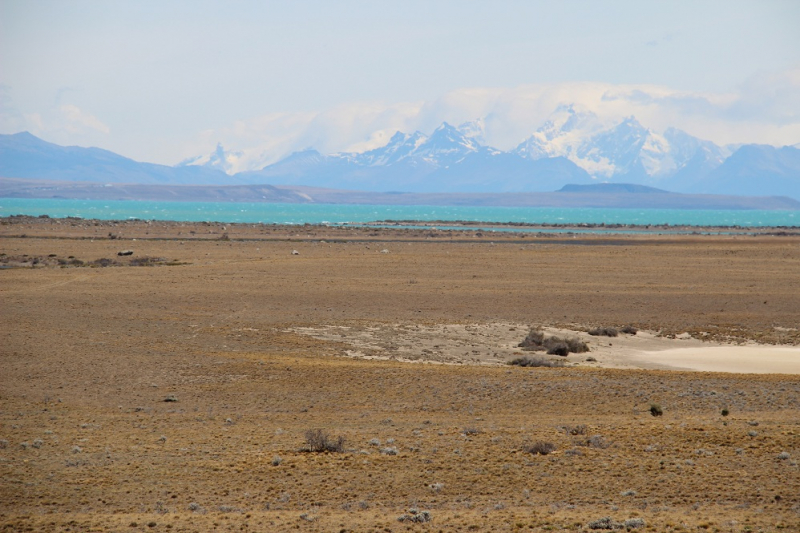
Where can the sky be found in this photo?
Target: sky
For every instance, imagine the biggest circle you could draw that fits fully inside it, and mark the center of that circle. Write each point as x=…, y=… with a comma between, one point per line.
x=160, y=81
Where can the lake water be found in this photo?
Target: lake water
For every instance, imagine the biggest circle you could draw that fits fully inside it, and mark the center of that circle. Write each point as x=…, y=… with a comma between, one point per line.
x=337, y=213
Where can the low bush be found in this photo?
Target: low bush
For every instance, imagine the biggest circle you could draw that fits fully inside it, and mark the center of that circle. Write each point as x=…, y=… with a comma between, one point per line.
x=604, y=332
x=595, y=441
x=558, y=348
x=536, y=361
x=103, y=262
x=604, y=523
x=656, y=410
x=147, y=261
x=536, y=340
x=574, y=344
x=318, y=441
x=540, y=448
x=629, y=330
x=415, y=515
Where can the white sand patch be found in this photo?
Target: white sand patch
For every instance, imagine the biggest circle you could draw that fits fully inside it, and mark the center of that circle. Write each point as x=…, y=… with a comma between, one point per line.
x=751, y=359
x=496, y=344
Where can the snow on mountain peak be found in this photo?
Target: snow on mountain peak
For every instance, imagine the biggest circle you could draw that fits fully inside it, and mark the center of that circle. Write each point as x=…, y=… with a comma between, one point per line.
x=622, y=150
x=626, y=148
x=220, y=159
x=474, y=129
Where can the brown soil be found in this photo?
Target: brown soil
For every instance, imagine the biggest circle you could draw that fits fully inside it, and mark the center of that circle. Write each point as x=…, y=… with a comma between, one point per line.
x=242, y=333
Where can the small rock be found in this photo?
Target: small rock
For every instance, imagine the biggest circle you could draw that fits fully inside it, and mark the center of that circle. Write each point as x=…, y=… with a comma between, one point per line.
x=125, y=252
x=171, y=398
x=295, y=252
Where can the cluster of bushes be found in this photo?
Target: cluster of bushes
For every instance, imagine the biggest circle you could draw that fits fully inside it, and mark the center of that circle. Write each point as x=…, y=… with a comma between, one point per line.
x=612, y=332
x=536, y=361
x=26, y=260
x=536, y=340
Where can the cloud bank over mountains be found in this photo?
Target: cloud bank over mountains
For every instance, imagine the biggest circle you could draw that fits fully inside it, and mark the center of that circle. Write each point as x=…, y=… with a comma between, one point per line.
x=765, y=110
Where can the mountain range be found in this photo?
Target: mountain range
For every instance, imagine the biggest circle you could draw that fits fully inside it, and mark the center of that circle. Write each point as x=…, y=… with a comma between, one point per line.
x=573, y=147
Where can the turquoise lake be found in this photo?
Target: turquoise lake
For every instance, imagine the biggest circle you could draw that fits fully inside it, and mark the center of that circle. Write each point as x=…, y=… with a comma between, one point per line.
x=337, y=213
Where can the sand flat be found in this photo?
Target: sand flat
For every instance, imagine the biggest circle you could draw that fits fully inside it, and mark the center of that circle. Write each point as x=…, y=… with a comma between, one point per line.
x=740, y=359
x=497, y=344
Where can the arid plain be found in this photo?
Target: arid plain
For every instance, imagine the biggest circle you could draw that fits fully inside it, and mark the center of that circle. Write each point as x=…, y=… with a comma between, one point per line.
x=176, y=395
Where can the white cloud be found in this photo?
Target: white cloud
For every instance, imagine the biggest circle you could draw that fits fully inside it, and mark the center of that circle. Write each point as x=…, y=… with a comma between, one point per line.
x=764, y=109
x=76, y=120
x=63, y=124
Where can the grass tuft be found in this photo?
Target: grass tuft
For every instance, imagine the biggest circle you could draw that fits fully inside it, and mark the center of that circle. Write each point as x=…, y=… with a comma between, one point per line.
x=540, y=448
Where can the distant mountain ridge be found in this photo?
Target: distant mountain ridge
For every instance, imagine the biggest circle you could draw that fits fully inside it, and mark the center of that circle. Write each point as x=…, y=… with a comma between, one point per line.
x=447, y=161
x=572, y=148
x=23, y=155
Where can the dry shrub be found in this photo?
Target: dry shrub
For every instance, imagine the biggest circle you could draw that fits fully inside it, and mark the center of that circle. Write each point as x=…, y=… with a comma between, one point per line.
x=595, y=441
x=536, y=361
x=540, y=448
x=147, y=261
x=558, y=348
x=536, y=340
x=630, y=330
x=318, y=441
x=604, y=332
x=103, y=262
x=574, y=344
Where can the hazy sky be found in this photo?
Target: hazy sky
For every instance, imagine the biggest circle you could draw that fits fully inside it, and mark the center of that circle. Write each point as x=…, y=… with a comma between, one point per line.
x=160, y=81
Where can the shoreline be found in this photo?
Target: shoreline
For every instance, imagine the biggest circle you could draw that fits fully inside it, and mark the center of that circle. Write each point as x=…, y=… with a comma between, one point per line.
x=433, y=228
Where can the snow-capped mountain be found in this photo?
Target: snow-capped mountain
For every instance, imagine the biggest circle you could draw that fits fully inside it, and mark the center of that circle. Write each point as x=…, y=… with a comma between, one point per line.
x=619, y=152
x=219, y=159
x=400, y=146
x=446, y=145
x=572, y=147
x=626, y=151
x=450, y=159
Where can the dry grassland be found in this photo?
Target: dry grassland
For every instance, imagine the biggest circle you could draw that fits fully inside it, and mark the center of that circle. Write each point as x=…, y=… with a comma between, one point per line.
x=88, y=356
